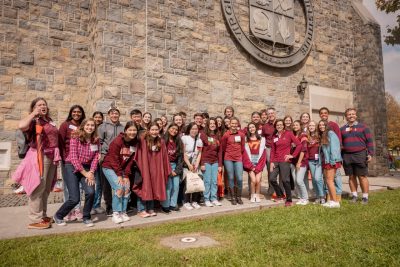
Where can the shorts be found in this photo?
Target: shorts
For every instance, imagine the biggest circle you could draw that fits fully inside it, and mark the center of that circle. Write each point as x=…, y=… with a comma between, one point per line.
x=355, y=163
x=327, y=166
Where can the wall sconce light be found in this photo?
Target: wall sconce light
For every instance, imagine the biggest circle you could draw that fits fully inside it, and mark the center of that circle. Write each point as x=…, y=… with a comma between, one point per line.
x=301, y=88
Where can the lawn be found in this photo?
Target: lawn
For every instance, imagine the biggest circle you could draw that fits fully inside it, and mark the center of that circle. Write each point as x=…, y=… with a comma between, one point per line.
x=354, y=235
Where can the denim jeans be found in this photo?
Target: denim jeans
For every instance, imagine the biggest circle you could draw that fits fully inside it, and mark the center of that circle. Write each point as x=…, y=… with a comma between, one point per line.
x=234, y=170
x=119, y=203
x=300, y=179
x=97, y=191
x=144, y=205
x=317, y=179
x=172, y=190
x=65, y=191
x=72, y=181
x=210, y=176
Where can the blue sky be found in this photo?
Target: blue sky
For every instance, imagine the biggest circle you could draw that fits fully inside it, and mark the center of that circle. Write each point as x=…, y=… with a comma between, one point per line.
x=391, y=54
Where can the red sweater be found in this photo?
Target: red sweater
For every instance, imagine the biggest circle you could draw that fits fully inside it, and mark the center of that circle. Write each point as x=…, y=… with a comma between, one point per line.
x=232, y=146
x=304, y=143
x=268, y=131
x=210, y=153
x=120, y=156
x=65, y=131
x=282, y=144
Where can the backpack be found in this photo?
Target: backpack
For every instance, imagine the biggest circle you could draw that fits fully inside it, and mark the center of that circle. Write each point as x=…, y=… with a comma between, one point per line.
x=22, y=143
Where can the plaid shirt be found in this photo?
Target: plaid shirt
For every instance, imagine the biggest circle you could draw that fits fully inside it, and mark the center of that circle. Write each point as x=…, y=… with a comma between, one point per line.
x=83, y=153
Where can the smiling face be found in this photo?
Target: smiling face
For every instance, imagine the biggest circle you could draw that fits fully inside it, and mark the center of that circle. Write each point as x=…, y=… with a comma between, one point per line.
x=114, y=116
x=98, y=119
x=288, y=123
x=324, y=114
x=136, y=118
x=279, y=126
x=147, y=118
x=234, y=126
x=198, y=120
x=271, y=115
x=305, y=119
x=164, y=121
x=76, y=114
x=89, y=127
x=212, y=125
x=264, y=117
x=312, y=127
x=219, y=122
x=178, y=120
x=173, y=131
x=321, y=126
x=227, y=123
x=296, y=126
x=131, y=132
x=351, y=116
x=255, y=118
x=252, y=128
x=194, y=131
x=154, y=131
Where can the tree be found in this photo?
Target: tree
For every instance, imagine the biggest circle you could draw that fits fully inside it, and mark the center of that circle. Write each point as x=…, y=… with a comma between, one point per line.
x=393, y=121
x=391, y=6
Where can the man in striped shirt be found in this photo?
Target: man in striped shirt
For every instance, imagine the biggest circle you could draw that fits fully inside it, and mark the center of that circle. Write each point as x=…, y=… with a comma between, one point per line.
x=357, y=150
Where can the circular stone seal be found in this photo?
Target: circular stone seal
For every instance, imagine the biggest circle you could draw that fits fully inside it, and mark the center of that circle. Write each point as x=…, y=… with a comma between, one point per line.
x=272, y=24
x=188, y=239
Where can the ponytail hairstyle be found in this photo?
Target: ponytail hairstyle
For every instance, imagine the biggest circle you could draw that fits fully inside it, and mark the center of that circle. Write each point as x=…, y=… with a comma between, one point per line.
x=150, y=140
x=81, y=134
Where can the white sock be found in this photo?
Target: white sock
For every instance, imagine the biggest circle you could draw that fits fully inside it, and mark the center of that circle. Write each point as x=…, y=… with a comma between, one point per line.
x=354, y=194
x=365, y=195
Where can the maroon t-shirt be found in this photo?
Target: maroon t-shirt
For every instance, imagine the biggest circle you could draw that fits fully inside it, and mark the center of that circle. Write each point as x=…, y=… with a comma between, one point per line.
x=232, y=146
x=313, y=150
x=268, y=131
x=171, y=150
x=210, y=153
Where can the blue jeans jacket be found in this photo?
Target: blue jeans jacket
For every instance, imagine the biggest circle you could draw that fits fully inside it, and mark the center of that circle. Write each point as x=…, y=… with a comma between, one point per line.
x=332, y=150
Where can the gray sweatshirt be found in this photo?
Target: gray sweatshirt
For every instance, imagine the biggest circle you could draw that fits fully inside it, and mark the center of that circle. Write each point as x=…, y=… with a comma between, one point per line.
x=107, y=132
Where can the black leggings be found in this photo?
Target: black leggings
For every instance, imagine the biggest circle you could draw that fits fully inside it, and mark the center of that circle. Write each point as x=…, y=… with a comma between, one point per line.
x=283, y=170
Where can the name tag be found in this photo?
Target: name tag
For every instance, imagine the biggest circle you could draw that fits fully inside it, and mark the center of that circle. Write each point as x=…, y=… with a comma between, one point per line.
x=259, y=131
x=94, y=147
x=53, y=123
x=210, y=139
x=154, y=148
x=238, y=138
x=72, y=127
x=132, y=149
x=316, y=156
x=276, y=139
x=348, y=129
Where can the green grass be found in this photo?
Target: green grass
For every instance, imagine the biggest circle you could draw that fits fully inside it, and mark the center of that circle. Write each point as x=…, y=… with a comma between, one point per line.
x=354, y=235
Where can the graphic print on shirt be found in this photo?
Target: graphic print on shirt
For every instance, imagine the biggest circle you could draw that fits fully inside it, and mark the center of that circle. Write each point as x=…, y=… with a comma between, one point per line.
x=125, y=153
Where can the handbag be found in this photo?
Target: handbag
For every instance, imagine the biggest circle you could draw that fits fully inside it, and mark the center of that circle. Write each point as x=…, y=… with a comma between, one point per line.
x=194, y=183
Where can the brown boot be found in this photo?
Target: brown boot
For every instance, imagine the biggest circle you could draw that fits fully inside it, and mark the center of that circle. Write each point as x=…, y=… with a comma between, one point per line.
x=233, y=196
x=238, y=193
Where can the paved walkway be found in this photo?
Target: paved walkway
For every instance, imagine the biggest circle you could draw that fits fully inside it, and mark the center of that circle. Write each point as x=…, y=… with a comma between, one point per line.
x=14, y=220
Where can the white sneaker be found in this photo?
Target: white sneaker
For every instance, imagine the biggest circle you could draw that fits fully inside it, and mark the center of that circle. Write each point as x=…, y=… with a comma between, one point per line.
x=208, y=204
x=116, y=218
x=216, y=203
x=188, y=206
x=302, y=202
x=334, y=204
x=327, y=204
x=124, y=217
x=99, y=210
x=253, y=198
x=257, y=198
x=196, y=205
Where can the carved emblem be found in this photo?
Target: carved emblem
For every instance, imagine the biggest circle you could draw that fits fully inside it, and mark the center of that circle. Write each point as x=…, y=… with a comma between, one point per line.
x=272, y=29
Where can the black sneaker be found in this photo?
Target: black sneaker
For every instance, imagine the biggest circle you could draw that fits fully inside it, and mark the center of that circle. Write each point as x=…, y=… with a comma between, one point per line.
x=364, y=201
x=130, y=210
x=354, y=200
x=109, y=212
x=174, y=208
x=165, y=210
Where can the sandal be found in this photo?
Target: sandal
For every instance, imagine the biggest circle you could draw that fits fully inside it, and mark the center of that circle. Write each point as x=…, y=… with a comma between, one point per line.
x=152, y=213
x=144, y=214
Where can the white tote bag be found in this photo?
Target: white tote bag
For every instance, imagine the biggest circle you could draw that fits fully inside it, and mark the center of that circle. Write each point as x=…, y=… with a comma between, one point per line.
x=194, y=183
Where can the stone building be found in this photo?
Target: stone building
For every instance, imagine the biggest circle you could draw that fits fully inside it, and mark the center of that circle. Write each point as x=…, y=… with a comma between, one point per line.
x=166, y=56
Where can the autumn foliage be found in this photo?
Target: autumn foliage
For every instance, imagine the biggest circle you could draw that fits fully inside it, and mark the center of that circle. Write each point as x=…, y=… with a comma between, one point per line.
x=393, y=121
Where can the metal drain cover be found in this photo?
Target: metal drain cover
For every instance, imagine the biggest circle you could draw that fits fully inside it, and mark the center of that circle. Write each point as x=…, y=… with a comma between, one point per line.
x=188, y=239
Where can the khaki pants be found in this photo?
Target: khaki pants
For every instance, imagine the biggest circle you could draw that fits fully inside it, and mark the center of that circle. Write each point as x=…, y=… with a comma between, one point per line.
x=38, y=199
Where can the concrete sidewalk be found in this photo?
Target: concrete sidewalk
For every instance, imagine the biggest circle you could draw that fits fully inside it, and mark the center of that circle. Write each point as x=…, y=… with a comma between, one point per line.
x=14, y=220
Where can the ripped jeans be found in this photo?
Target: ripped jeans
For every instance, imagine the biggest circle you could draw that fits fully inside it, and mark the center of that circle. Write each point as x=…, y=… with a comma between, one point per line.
x=121, y=193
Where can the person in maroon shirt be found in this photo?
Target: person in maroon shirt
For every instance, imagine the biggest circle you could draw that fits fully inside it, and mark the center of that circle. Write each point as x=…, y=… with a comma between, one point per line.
x=229, y=112
x=254, y=159
x=324, y=115
x=80, y=169
x=264, y=116
x=211, y=162
x=75, y=117
x=300, y=164
x=305, y=120
x=175, y=157
x=314, y=162
x=117, y=167
x=232, y=147
x=288, y=121
x=280, y=160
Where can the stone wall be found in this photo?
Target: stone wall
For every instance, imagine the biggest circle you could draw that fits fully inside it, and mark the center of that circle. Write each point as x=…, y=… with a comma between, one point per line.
x=167, y=56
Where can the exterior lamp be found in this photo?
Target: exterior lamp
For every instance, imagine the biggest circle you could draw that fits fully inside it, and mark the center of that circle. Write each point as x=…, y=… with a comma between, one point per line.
x=301, y=88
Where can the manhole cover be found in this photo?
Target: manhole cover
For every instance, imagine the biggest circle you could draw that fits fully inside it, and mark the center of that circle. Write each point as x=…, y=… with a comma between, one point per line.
x=193, y=240
x=188, y=239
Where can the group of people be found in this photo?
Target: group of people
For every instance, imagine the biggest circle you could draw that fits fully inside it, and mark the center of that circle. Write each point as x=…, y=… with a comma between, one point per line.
x=143, y=165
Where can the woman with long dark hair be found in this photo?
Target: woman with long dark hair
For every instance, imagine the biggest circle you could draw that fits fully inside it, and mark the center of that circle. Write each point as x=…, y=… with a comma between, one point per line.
x=175, y=157
x=331, y=160
x=146, y=120
x=118, y=167
x=75, y=117
x=254, y=160
x=37, y=171
x=80, y=169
